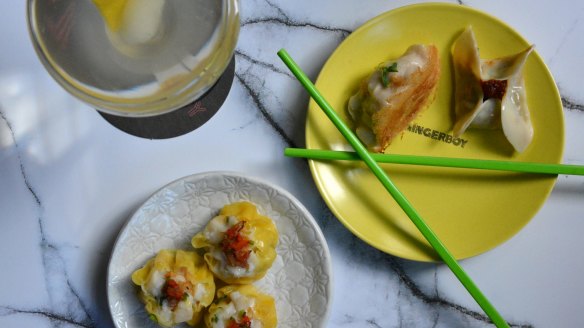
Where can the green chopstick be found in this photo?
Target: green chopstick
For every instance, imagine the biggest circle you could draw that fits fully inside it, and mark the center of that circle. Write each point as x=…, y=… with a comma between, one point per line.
x=426, y=231
x=483, y=164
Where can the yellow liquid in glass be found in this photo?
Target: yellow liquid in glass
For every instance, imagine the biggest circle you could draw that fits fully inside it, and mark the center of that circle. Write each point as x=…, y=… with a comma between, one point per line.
x=112, y=12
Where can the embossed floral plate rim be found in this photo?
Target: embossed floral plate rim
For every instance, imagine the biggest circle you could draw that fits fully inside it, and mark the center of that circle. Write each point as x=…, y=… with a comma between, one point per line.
x=471, y=211
x=300, y=280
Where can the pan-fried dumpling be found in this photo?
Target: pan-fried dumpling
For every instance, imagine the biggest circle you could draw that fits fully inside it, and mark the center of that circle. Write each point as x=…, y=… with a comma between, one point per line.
x=393, y=95
x=490, y=93
x=175, y=286
x=239, y=243
x=241, y=306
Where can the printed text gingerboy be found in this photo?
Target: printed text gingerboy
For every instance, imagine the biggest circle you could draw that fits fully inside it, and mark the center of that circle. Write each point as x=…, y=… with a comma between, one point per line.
x=437, y=135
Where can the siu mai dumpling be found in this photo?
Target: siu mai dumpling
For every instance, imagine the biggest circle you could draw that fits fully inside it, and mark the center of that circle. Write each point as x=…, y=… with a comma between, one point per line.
x=241, y=306
x=490, y=94
x=239, y=243
x=393, y=95
x=175, y=286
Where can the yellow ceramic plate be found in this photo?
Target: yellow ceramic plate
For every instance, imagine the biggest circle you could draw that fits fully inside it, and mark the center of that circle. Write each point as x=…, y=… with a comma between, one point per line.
x=471, y=211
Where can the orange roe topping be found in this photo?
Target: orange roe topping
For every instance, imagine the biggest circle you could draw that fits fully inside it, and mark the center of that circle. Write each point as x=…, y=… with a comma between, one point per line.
x=235, y=246
x=174, y=291
x=244, y=322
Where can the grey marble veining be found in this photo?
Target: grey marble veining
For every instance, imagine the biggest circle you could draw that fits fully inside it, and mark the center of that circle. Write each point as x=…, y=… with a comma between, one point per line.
x=571, y=105
x=64, y=304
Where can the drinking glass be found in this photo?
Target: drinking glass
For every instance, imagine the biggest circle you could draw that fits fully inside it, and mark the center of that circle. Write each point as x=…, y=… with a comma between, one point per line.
x=135, y=58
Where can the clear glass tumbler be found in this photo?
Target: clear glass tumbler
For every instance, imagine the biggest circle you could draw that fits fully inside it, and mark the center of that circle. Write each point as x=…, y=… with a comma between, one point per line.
x=135, y=58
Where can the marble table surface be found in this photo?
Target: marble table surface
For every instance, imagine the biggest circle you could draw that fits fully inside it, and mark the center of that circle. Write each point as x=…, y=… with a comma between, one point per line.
x=69, y=180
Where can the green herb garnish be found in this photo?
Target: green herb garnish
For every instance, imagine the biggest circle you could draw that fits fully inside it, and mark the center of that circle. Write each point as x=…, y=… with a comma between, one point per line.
x=384, y=71
x=242, y=313
x=153, y=317
x=214, y=318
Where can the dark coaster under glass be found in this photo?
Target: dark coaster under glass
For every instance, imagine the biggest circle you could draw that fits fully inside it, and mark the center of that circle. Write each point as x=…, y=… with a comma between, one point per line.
x=182, y=120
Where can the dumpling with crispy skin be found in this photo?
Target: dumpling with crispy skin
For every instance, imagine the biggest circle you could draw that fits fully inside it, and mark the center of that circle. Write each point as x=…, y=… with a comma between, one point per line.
x=241, y=306
x=175, y=286
x=393, y=95
x=239, y=243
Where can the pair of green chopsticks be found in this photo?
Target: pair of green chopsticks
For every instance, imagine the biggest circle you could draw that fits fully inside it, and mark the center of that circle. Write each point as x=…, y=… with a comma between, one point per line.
x=362, y=153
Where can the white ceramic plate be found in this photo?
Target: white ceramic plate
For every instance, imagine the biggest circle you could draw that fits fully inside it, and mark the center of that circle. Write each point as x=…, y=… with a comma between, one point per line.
x=299, y=280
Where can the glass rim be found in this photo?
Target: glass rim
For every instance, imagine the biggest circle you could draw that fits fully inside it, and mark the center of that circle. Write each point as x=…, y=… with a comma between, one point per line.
x=186, y=93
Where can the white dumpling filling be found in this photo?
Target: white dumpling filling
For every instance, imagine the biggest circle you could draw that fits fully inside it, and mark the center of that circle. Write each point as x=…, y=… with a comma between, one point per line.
x=235, y=271
x=217, y=227
x=155, y=284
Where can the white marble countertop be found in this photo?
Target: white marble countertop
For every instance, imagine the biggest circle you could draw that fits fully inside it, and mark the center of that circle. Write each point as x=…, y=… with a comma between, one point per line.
x=69, y=180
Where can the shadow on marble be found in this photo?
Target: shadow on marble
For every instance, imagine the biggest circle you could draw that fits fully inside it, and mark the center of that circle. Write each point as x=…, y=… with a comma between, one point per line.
x=99, y=290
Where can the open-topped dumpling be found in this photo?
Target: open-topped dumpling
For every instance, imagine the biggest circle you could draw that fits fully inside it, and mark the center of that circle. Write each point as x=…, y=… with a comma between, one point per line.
x=175, y=286
x=490, y=93
x=239, y=243
x=241, y=306
x=393, y=95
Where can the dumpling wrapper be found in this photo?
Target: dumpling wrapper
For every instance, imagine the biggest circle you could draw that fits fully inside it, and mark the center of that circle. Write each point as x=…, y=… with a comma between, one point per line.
x=233, y=302
x=380, y=112
x=510, y=113
x=259, y=229
x=181, y=266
